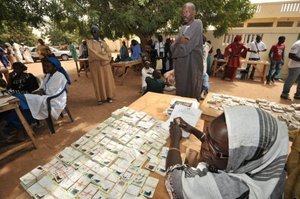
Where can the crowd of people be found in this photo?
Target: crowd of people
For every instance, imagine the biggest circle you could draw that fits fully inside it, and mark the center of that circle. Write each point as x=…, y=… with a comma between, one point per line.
x=231, y=165
x=11, y=52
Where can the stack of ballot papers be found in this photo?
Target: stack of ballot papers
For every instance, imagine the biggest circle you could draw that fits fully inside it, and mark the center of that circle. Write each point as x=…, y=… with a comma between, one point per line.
x=4, y=99
x=113, y=160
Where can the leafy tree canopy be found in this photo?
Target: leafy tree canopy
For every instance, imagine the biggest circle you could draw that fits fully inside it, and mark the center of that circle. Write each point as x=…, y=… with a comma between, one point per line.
x=118, y=18
x=19, y=32
x=145, y=17
x=21, y=11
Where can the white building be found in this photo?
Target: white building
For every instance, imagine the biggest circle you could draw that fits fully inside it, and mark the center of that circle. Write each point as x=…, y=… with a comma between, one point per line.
x=271, y=20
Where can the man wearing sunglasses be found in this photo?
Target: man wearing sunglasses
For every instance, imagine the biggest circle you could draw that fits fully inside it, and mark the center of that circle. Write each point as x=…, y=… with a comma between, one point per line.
x=239, y=157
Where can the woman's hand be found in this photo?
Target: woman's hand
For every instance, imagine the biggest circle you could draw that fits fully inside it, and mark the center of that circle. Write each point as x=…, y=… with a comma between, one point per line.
x=175, y=134
x=183, y=124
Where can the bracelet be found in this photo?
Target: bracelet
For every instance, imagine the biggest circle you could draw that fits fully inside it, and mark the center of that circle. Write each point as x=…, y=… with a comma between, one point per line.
x=174, y=149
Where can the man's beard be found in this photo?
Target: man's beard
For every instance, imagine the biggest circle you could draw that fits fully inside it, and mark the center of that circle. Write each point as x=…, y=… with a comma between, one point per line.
x=184, y=20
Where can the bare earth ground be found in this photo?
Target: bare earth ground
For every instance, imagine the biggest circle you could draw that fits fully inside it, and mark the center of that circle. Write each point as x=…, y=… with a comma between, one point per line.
x=86, y=113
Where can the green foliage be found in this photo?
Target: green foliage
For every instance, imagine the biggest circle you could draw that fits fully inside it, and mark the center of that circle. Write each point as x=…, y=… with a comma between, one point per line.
x=224, y=14
x=73, y=18
x=20, y=11
x=58, y=36
x=147, y=17
x=19, y=32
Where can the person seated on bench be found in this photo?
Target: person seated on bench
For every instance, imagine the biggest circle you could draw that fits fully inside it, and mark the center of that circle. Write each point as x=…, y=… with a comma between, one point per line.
x=34, y=106
x=243, y=155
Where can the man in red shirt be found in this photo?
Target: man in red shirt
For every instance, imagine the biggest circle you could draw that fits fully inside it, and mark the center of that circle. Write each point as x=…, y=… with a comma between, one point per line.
x=276, y=56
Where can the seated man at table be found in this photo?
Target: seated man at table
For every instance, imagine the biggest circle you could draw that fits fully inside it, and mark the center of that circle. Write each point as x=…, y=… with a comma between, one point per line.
x=155, y=83
x=243, y=154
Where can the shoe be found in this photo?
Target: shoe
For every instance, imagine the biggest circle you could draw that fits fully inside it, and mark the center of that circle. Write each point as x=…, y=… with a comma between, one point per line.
x=268, y=82
x=109, y=100
x=286, y=96
x=296, y=96
x=99, y=102
x=273, y=81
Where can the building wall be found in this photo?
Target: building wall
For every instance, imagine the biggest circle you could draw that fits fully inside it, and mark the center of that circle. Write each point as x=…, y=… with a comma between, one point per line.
x=270, y=14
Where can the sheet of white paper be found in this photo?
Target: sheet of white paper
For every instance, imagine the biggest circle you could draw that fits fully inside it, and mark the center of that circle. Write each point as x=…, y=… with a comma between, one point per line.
x=189, y=114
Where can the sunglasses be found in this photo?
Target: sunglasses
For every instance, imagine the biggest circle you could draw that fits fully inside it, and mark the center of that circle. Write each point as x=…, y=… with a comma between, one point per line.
x=212, y=147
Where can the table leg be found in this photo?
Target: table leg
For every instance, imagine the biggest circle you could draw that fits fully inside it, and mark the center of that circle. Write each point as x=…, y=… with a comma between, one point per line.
x=264, y=73
x=215, y=68
x=78, y=70
x=26, y=126
x=206, y=125
x=124, y=74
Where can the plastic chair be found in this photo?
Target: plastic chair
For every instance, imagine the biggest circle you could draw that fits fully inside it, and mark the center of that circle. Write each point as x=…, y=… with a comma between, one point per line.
x=49, y=119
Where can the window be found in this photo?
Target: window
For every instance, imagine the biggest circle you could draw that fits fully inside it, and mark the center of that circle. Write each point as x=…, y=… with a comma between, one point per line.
x=285, y=23
x=239, y=25
x=260, y=24
x=290, y=7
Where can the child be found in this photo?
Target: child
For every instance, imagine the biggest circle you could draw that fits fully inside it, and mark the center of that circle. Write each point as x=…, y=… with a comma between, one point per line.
x=155, y=84
x=146, y=72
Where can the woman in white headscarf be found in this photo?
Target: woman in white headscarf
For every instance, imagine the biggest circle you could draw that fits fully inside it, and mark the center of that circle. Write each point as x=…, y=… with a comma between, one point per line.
x=243, y=155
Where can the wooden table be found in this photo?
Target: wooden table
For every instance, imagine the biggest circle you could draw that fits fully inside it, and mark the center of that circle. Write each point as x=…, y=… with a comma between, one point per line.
x=83, y=66
x=208, y=114
x=255, y=64
x=14, y=105
x=155, y=104
x=125, y=65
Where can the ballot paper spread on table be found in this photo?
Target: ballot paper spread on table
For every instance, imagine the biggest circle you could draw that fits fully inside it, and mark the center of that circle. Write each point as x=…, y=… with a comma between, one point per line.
x=185, y=102
x=189, y=114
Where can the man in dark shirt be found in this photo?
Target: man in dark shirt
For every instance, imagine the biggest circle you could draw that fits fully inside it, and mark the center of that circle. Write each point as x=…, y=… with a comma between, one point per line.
x=155, y=84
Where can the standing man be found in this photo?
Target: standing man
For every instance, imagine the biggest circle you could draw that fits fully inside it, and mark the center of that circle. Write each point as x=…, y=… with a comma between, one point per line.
x=255, y=47
x=17, y=51
x=294, y=72
x=187, y=53
x=276, y=56
x=160, y=49
x=99, y=64
x=73, y=51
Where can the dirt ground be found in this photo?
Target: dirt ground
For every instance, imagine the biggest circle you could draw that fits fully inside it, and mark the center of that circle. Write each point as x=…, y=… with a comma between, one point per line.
x=86, y=114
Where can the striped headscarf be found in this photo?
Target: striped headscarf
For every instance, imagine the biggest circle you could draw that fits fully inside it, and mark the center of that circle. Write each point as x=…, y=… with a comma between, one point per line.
x=258, y=148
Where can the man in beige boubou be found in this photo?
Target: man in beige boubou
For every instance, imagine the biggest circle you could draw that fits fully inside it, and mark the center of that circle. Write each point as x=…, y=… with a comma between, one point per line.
x=99, y=64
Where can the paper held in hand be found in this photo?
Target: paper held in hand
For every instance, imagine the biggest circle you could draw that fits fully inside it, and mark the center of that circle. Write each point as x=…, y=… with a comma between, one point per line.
x=190, y=114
